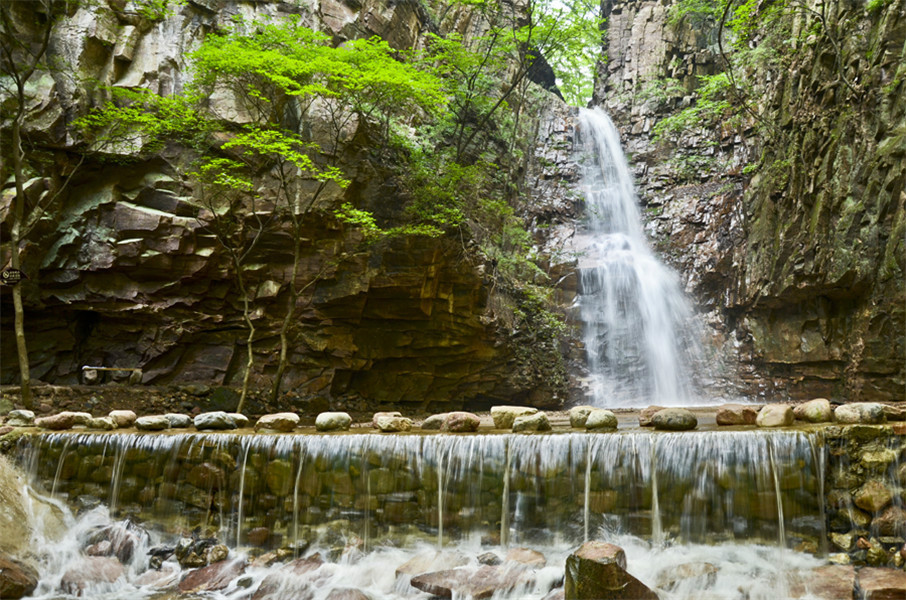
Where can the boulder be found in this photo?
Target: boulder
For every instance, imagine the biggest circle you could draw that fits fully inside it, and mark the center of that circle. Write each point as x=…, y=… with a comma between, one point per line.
x=829, y=582
x=123, y=418
x=465, y=582
x=736, y=414
x=891, y=521
x=216, y=576
x=873, y=496
x=775, y=415
x=866, y=413
x=285, y=421
x=434, y=422
x=526, y=556
x=16, y=579
x=534, y=422
x=427, y=562
x=63, y=420
x=292, y=580
x=20, y=418
x=333, y=421
x=216, y=420
x=460, y=422
x=240, y=420
x=600, y=419
x=102, y=423
x=674, y=419
x=894, y=413
x=152, y=423
x=347, y=594
x=597, y=571
x=578, y=415
x=646, y=413
x=393, y=424
x=505, y=416
x=179, y=421
x=818, y=410
x=90, y=571
x=882, y=584
x=386, y=413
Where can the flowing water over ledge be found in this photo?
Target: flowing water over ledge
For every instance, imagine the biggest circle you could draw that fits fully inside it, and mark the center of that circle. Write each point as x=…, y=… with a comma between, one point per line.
x=747, y=501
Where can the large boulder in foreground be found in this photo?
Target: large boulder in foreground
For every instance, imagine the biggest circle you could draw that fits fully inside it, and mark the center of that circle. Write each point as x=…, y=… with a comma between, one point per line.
x=818, y=410
x=597, y=571
x=16, y=580
x=882, y=584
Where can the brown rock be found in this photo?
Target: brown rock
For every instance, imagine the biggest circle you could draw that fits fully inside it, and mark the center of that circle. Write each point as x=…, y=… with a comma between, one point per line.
x=377, y=415
x=466, y=582
x=882, y=584
x=16, y=579
x=63, y=420
x=891, y=521
x=258, y=536
x=393, y=423
x=736, y=414
x=347, y=594
x=597, y=571
x=432, y=561
x=646, y=414
x=292, y=580
x=123, y=418
x=775, y=415
x=89, y=571
x=831, y=582
x=526, y=556
x=873, y=496
x=460, y=422
x=205, y=476
x=216, y=576
x=3, y=431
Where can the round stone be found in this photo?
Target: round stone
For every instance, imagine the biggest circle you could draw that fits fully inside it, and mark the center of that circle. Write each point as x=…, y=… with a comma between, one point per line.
x=674, y=419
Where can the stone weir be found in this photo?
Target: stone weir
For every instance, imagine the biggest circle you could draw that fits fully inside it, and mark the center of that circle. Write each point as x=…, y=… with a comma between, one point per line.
x=282, y=490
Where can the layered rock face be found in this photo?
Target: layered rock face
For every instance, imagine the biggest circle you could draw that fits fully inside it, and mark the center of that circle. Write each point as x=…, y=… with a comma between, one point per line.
x=794, y=249
x=124, y=275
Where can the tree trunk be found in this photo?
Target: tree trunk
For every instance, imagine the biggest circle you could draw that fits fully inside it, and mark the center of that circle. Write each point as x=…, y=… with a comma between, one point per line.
x=15, y=238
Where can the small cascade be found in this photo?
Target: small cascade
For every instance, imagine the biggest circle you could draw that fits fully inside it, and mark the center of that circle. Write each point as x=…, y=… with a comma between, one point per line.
x=638, y=333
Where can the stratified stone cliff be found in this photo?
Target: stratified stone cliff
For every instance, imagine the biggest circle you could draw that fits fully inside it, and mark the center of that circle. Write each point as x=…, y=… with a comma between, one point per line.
x=798, y=260
x=123, y=275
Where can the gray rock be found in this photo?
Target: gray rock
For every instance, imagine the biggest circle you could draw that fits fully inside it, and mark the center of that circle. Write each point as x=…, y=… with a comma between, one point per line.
x=285, y=421
x=377, y=415
x=599, y=419
x=393, y=423
x=152, y=423
x=123, y=418
x=674, y=419
x=240, y=420
x=333, y=421
x=460, y=422
x=216, y=420
x=866, y=413
x=63, y=420
x=818, y=410
x=775, y=415
x=179, y=421
x=505, y=416
x=434, y=422
x=20, y=418
x=646, y=414
x=537, y=421
x=103, y=423
x=578, y=415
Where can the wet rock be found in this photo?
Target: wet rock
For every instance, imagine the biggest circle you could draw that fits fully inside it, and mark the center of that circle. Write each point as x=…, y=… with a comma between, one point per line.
x=20, y=418
x=216, y=576
x=434, y=422
x=240, y=420
x=102, y=423
x=674, y=419
x=894, y=413
x=333, y=421
x=123, y=418
x=63, y=420
x=16, y=579
x=578, y=415
x=466, y=582
x=876, y=556
x=646, y=413
x=216, y=420
x=534, y=422
x=600, y=419
x=690, y=575
x=90, y=571
x=285, y=421
x=159, y=578
x=292, y=580
x=873, y=496
x=152, y=423
x=775, y=415
x=347, y=594
x=818, y=410
x=866, y=413
x=217, y=553
x=489, y=558
x=526, y=556
x=377, y=415
x=736, y=414
x=206, y=476
x=426, y=562
x=393, y=424
x=891, y=521
x=882, y=584
x=461, y=422
x=179, y=421
x=830, y=582
x=258, y=536
x=843, y=541
x=597, y=571
x=119, y=540
x=5, y=429
x=505, y=416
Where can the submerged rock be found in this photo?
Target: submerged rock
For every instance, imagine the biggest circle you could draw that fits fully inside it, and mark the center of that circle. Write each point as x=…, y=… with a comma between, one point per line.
x=866, y=413
x=460, y=422
x=736, y=414
x=90, y=571
x=216, y=576
x=152, y=423
x=578, y=415
x=505, y=416
x=534, y=422
x=216, y=420
x=597, y=571
x=690, y=575
x=295, y=579
x=333, y=421
x=285, y=421
x=479, y=583
x=775, y=415
x=818, y=410
x=599, y=419
x=873, y=496
x=674, y=419
x=882, y=584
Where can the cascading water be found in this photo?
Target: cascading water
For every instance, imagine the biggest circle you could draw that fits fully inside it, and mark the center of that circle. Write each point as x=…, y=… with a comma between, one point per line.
x=371, y=501
x=637, y=333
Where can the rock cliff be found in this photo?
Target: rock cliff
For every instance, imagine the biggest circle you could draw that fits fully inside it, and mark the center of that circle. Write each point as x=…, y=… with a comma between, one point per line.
x=788, y=228
x=122, y=274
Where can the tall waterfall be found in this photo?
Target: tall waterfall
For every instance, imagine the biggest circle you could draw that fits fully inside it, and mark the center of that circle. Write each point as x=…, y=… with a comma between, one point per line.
x=637, y=336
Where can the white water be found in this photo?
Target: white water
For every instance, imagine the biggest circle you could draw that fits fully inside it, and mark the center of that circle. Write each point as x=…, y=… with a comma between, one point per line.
x=638, y=333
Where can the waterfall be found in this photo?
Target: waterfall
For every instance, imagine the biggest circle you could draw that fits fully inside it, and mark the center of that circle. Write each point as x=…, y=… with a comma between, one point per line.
x=637, y=333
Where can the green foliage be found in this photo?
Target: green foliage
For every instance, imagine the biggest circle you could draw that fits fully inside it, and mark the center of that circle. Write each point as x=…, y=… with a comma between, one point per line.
x=157, y=10
x=711, y=108
x=697, y=13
